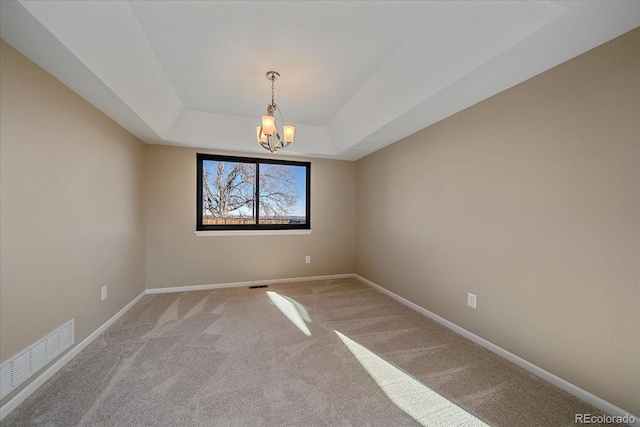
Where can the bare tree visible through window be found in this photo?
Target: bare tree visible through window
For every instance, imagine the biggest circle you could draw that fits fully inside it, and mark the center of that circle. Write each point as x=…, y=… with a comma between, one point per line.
x=233, y=188
x=228, y=192
x=278, y=192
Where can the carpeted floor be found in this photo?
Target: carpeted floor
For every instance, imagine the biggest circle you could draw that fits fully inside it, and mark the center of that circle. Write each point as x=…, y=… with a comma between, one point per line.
x=230, y=357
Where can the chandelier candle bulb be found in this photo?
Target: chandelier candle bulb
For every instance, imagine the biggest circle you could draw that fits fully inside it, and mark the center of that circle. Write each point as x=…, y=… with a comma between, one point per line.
x=268, y=125
x=289, y=132
x=260, y=136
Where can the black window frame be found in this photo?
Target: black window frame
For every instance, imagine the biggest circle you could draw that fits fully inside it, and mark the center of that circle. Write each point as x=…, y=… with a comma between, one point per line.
x=202, y=157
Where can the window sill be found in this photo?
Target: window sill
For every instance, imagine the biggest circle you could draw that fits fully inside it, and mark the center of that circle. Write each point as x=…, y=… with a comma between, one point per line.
x=208, y=233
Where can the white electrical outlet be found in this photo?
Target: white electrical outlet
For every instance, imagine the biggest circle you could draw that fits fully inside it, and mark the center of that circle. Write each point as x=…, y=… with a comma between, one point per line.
x=307, y=259
x=104, y=293
x=471, y=300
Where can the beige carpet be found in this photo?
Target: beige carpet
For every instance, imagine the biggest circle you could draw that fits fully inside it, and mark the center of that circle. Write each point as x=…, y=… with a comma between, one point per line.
x=231, y=357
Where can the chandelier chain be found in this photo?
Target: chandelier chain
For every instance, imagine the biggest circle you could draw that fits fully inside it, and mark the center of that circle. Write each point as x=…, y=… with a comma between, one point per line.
x=273, y=79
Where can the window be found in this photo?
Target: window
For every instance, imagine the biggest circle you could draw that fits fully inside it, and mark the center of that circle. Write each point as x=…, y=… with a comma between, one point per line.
x=243, y=193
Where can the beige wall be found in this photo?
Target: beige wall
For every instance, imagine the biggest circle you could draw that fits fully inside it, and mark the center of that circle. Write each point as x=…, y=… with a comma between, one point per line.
x=72, y=208
x=176, y=257
x=531, y=200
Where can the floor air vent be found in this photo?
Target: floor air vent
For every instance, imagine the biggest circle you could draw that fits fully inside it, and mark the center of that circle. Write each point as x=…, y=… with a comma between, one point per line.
x=258, y=286
x=19, y=368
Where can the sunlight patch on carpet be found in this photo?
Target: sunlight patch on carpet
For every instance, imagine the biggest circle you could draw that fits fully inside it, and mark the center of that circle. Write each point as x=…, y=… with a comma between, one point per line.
x=293, y=310
x=414, y=398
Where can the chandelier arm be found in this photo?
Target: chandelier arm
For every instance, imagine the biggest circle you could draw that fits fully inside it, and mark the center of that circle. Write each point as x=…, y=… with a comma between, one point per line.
x=280, y=112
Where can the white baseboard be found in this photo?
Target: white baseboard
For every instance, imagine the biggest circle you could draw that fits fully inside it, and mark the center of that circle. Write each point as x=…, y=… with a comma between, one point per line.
x=250, y=283
x=570, y=388
x=55, y=367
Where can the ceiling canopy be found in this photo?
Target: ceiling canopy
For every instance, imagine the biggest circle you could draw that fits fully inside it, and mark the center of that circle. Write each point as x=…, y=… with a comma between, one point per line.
x=355, y=76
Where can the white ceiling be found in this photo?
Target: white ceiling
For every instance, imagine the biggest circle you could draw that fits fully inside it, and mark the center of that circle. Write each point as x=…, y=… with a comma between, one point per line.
x=356, y=76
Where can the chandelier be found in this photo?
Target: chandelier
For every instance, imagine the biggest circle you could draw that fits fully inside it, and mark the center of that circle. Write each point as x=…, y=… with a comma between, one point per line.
x=267, y=134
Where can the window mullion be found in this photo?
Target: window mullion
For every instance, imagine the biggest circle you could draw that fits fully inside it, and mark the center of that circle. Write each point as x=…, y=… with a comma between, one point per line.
x=257, y=199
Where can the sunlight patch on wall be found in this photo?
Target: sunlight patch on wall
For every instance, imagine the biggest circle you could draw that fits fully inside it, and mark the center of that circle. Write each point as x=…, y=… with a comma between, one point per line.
x=293, y=310
x=416, y=399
